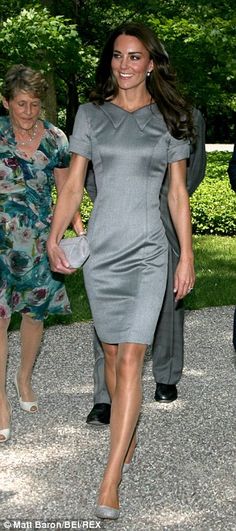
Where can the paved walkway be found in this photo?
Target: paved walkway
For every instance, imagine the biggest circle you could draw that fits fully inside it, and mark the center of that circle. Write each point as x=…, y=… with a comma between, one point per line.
x=183, y=475
x=219, y=147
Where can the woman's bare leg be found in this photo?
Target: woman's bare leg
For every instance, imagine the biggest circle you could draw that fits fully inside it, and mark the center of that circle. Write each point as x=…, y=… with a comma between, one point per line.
x=110, y=377
x=4, y=404
x=31, y=336
x=125, y=409
x=131, y=448
x=110, y=360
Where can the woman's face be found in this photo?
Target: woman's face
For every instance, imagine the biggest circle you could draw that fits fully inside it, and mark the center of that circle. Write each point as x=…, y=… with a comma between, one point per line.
x=130, y=62
x=24, y=109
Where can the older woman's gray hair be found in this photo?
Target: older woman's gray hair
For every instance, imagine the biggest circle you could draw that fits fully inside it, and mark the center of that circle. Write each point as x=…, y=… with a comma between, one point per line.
x=23, y=78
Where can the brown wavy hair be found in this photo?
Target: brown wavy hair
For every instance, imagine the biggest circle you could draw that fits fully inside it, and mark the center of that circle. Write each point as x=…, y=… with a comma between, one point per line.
x=23, y=78
x=161, y=84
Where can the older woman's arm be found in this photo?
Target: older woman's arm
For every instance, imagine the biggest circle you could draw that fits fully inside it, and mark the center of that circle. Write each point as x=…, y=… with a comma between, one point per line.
x=178, y=201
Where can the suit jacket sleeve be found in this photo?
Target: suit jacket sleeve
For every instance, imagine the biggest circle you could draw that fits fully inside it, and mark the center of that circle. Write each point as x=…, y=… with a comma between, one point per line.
x=197, y=161
x=90, y=184
x=195, y=174
x=232, y=170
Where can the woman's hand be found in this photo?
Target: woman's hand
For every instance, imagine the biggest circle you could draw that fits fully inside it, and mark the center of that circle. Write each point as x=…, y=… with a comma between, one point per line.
x=184, y=278
x=68, y=202
x=57, y=259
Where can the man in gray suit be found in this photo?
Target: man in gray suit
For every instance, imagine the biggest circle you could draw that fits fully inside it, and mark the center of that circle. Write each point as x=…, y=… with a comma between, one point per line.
x=168, y=346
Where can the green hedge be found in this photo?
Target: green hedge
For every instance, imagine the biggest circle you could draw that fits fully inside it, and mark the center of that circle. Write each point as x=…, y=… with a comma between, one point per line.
x=86, y=209
x=213, y=205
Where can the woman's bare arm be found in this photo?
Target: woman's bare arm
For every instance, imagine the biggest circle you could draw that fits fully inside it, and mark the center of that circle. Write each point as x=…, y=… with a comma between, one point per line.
x=178, y=201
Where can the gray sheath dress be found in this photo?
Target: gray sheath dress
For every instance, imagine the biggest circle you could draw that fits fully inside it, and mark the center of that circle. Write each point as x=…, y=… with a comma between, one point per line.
x=125, y=275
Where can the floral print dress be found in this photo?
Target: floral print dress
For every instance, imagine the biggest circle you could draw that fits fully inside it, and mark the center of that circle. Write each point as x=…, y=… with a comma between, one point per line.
x=27, y=284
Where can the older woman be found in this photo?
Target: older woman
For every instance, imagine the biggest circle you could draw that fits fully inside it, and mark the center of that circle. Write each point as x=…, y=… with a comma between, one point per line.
x=33, y=156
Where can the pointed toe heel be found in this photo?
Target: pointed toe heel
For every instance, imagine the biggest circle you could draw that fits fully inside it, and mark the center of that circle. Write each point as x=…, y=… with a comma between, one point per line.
x=103, y=511
x=126, y=467
x=26, y=406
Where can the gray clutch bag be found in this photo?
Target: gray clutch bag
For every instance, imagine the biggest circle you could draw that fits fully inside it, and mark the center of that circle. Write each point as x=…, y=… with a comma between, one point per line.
x=76, y=250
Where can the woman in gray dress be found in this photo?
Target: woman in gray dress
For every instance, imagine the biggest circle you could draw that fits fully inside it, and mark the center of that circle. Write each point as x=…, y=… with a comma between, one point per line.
x=135, y=126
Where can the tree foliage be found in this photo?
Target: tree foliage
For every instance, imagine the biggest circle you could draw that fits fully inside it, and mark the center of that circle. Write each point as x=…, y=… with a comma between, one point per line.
x=45, y=42
x=65, y=38
x=49, y=43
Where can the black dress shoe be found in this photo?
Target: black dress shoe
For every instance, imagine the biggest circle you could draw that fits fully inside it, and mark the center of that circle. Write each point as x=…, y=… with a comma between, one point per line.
x=100, y=414
x=165, y=392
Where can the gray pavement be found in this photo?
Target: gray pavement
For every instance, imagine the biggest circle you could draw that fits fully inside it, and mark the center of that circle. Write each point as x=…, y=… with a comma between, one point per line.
x=219, y=147
x=183, y=473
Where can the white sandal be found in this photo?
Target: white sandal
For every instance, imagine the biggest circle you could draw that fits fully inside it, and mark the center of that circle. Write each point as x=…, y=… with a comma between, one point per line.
x=6, y=432
x=26, y=406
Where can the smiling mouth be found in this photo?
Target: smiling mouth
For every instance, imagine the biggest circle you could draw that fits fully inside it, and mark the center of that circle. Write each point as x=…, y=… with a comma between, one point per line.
x=125, y=76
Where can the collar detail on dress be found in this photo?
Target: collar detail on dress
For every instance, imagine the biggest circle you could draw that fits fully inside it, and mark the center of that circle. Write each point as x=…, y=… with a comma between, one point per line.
x=117, y=115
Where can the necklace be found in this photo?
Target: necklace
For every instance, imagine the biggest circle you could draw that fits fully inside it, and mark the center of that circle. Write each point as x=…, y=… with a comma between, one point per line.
x=27, y=142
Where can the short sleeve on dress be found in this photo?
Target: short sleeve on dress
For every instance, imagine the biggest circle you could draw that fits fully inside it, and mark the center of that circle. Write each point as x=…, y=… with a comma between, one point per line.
x=80, y=140
x=63, y=159
x=178, y=149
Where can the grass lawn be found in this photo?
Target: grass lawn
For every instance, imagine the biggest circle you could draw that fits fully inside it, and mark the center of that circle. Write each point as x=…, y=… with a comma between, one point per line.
x=215, y=259
x=215, y=265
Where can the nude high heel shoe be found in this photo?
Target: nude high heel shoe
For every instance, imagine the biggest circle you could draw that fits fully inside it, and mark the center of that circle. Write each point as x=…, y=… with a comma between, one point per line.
x=103, y=511
x=106, y=511
x=26, y=406
x=126, y=467
x=6, y=432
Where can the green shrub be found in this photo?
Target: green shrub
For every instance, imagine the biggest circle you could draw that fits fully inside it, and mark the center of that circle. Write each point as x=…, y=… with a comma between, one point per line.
x=217, y=164
x=213, y=205
x=86, y=209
